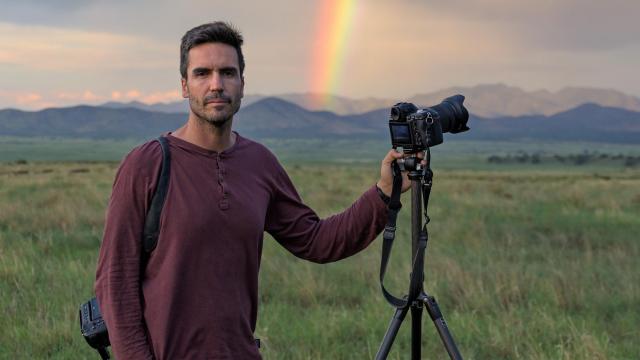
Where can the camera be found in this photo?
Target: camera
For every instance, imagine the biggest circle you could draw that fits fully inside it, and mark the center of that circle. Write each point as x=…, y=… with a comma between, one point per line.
x=93, y=327
x=415, y=129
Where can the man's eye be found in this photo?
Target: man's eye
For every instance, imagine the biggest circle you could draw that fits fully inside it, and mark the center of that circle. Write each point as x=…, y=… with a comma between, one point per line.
x=199, y=73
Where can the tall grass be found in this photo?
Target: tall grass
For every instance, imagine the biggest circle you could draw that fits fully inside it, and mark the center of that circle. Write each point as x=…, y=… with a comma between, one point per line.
x=524, y=264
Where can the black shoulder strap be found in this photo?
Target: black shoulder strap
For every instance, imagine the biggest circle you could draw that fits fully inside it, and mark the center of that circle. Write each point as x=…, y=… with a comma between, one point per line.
x=152, y=221
x=389, y=234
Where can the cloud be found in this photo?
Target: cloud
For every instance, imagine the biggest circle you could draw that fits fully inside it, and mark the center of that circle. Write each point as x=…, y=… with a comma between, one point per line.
x=49, y=48
x=162, y=97
x=156, y=19
x=28, y=100
x=88, y=96
x=579, y=25
x=395, y=49
x=37, y=100
x=57, y=13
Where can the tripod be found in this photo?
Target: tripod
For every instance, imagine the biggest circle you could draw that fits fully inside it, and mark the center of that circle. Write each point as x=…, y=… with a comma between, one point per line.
x=417, y=299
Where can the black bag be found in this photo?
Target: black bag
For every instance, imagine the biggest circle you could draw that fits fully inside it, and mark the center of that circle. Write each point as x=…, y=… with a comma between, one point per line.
x=92, y=325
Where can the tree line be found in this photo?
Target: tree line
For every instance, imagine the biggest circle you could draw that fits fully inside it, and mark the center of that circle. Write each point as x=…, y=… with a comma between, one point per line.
x=583, y=158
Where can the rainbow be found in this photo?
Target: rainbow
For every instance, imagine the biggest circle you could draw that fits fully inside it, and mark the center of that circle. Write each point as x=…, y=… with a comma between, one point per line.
x=334, y=24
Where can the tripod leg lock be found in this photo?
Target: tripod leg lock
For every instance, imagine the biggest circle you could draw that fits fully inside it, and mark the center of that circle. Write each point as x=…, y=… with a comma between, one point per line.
x=432, y=307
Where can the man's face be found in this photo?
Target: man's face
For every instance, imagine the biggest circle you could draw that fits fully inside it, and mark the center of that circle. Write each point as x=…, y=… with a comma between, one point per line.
x=214, y=84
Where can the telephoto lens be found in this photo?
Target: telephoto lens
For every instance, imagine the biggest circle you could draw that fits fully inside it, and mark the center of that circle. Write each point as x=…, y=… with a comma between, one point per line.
x=453, y=115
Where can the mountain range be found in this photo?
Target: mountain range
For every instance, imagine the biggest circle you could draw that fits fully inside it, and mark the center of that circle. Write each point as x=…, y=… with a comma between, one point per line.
x=488, y=100
x=279, y=119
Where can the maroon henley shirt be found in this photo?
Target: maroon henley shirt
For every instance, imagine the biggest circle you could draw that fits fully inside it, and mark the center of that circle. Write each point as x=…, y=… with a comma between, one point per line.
x=197, y=297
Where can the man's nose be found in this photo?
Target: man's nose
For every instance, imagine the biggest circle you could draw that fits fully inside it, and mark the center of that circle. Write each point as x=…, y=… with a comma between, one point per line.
x=215, y=83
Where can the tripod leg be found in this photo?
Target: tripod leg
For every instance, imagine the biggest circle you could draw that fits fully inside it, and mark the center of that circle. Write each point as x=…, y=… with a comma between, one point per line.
x=392, y=331
x=441, y=326
x=416, y=330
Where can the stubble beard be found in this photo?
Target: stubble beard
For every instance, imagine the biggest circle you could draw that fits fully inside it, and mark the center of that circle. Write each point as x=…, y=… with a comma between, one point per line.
x=215, y=118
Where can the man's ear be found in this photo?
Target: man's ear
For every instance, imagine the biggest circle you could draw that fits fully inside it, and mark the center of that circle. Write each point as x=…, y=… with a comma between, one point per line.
x=185, y=89
x=242, y=88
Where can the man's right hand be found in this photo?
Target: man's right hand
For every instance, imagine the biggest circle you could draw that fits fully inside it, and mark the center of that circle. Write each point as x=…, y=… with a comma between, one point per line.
x=386, y=176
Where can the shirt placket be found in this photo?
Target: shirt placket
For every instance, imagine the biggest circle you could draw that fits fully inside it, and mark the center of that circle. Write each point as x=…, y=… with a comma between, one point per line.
x=223, y=204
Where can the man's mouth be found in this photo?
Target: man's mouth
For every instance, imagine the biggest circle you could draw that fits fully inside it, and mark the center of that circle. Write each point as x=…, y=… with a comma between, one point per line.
x=217, y=100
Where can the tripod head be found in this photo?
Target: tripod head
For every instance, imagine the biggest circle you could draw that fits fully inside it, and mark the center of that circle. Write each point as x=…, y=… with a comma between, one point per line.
x=413, y=164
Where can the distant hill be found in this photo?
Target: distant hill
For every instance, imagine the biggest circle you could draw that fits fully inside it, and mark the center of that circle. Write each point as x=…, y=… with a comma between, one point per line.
x=279, y=119
x=172, y=107
x=337, y=104
x=501, y=100
x=276, y=118
x=88, y=122
x=588, y=122
x=181, y=107
x=489, y=100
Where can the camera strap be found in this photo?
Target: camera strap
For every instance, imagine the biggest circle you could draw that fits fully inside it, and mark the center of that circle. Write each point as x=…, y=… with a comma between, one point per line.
x=389, y=234
x=152, y=221
x=394, y=206
x=92, y=325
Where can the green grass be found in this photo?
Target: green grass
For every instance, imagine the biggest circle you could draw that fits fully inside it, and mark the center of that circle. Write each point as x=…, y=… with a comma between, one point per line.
x=525, y=263
x=454, y=153
x=49, y=149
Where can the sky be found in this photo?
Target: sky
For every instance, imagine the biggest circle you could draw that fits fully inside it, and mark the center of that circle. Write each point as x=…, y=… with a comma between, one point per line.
x=65, y=52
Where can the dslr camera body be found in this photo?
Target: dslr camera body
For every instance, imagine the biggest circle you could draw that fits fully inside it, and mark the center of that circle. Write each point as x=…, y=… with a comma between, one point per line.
x=415, y=129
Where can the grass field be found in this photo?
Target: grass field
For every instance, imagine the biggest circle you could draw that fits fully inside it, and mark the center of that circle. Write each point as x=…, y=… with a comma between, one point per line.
x=527, y=262
x=454, y=153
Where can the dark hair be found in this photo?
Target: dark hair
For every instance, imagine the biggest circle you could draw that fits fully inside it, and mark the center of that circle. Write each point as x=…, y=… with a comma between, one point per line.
x=215, y=32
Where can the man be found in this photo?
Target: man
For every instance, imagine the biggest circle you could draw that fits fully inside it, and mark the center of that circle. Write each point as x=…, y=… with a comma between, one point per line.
x=196, y=296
